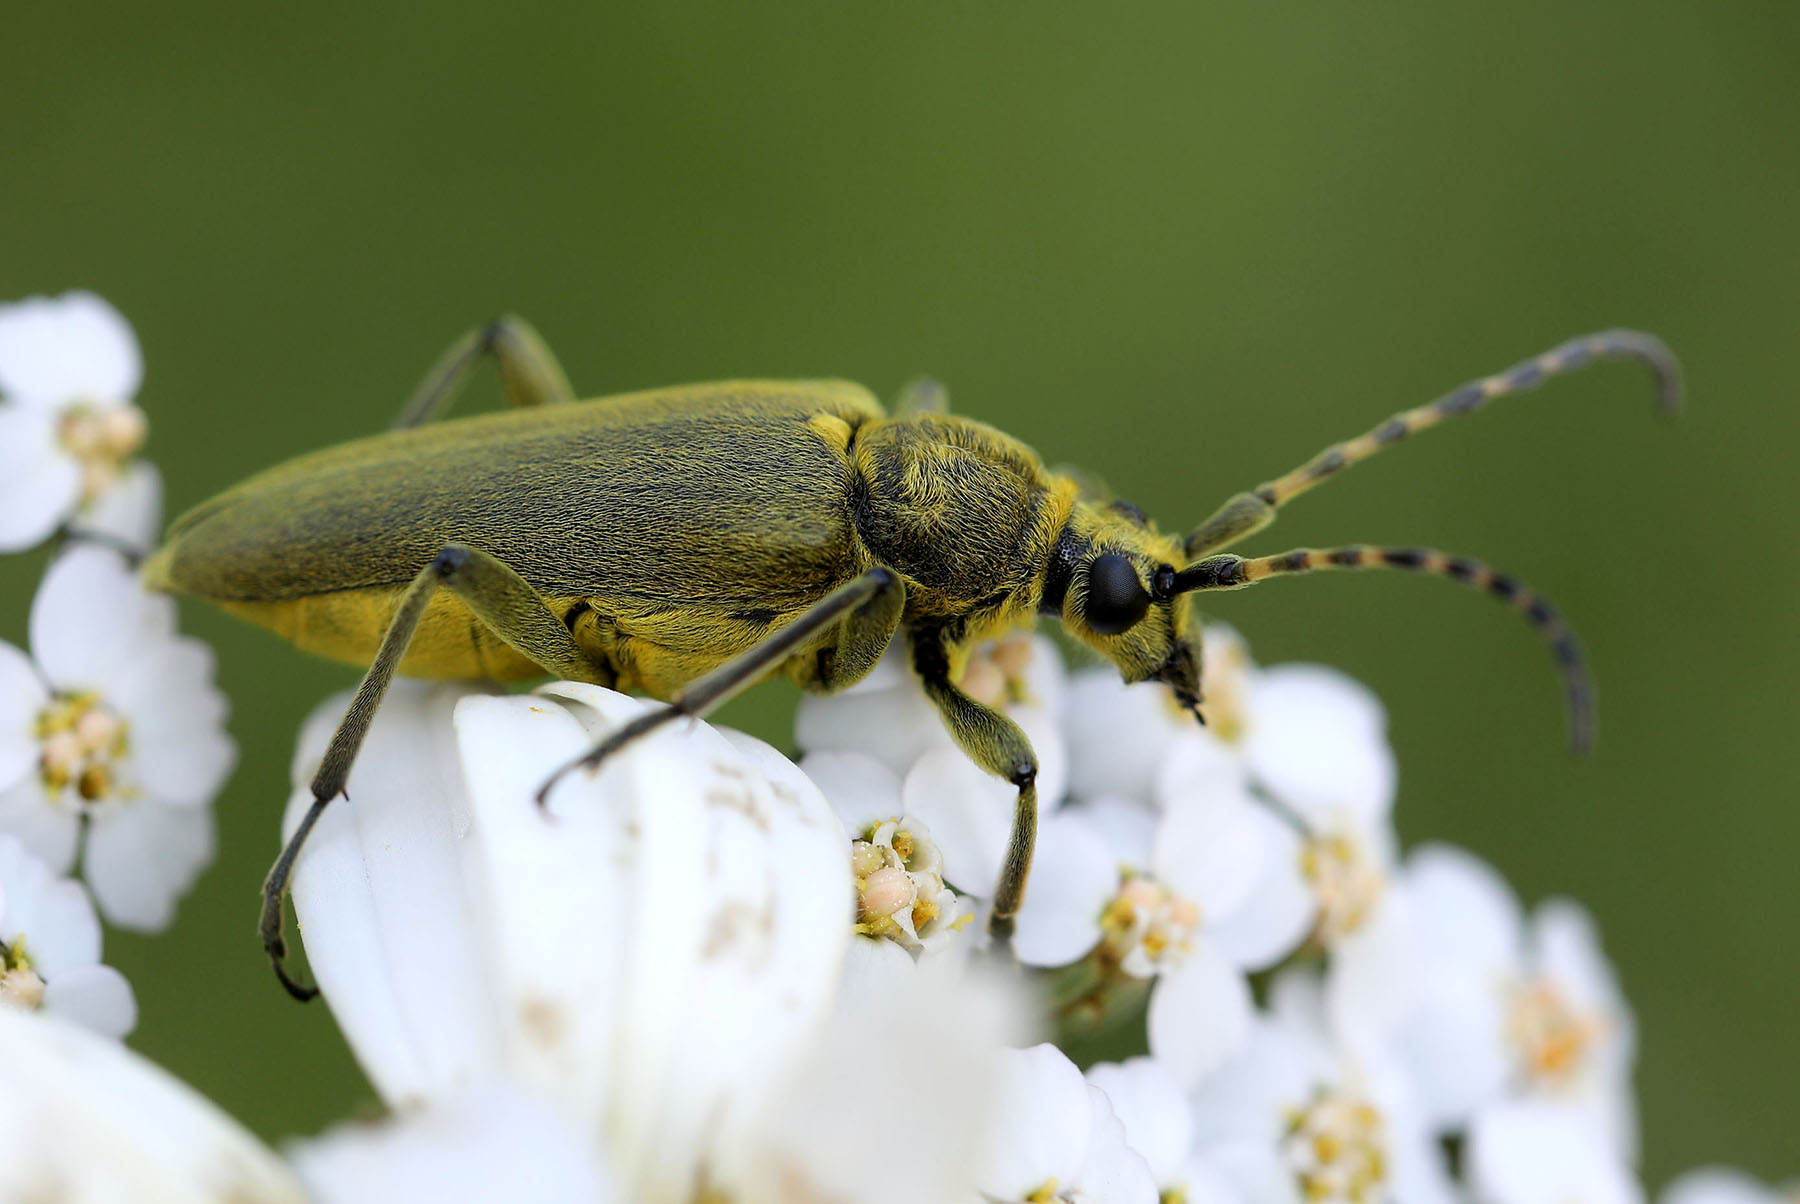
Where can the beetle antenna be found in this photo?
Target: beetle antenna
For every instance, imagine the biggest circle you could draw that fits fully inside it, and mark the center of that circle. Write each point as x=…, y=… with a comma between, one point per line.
x=1227, y=571
x=1246, y=513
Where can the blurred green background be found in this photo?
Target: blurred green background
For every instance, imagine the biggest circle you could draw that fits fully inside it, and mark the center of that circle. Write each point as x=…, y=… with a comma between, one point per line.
x=1186, y=245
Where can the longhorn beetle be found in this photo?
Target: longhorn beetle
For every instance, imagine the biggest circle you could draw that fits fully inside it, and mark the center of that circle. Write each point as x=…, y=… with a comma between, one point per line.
x=688, y=542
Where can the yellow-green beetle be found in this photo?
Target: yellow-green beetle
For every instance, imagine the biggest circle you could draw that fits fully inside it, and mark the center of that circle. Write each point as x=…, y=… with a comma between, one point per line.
x=688, y=542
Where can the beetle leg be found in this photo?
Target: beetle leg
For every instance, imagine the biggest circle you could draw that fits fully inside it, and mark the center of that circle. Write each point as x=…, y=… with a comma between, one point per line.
x=1000, y=746
x=866, y=634
x=505, y=603
x=844, y=604
x=1246, y=513
x=529, y=373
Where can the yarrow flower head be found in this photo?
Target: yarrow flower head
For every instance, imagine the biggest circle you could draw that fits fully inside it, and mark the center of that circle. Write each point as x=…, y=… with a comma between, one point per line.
x=112, y=727
x=69, y=369
x=50, y=948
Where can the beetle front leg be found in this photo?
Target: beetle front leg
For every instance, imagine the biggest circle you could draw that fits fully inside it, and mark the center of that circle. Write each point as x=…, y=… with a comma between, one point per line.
x=529, y=373
x=1000, y=746
x=506, y=604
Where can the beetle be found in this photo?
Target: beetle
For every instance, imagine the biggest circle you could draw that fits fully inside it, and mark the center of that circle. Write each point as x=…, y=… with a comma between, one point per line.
x=688, y=542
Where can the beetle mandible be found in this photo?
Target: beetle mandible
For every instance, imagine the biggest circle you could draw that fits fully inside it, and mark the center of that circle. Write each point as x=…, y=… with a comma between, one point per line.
x=688, y=542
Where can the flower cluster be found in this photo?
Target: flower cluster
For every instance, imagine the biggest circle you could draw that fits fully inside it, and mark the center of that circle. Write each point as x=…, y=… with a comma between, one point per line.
x=707, y=975
x=112, y=740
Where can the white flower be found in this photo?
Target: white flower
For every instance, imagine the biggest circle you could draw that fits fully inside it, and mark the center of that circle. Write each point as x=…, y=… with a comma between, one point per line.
x=1295, y=1118
x=1057, y=1139
x=50, y=948
x=487, y=1144
x=1482, y=1006
x=969, y=811
x=1172, y=912
x=69, y=367
x=85, y=1120
x=899, y=872
x=1306, y=740
x=1723, y=1185
x=657, y=959
x=113, y=724
x=1149, y=1102
x=1532, y=1152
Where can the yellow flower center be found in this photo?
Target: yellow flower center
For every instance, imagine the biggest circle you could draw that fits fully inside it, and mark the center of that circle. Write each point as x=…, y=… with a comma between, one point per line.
x=82, y=742
x=1346, y=882
x=1147, y=927
x=101, y=438
x=995, y=673
x=20, y=985
x=1549, y=1034
x=1336, y=1146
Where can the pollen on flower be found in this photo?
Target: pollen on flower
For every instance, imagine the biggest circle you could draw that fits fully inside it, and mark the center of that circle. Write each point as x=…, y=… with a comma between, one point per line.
x=1346, y=881
x=995, y=673
x=900, y=891
x=1147, y=927
x=82, y=742
x=1225, y=684
x=101, y=438
x=1549, y=1035
x=1336, y=1146
x=20, y=984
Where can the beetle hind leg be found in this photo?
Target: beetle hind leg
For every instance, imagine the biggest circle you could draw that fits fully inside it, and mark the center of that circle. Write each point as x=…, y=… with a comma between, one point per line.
x=501, y=600
x=529, y=372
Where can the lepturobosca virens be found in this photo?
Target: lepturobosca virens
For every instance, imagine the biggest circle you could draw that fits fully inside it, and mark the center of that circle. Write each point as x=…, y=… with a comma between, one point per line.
x=688, y=542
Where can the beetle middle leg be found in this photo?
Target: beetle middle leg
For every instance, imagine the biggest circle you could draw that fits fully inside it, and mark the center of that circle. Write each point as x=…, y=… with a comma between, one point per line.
x=1245, y=514
x=505, y=603
x=869, y=607
x=997, y=744
x=529, y=373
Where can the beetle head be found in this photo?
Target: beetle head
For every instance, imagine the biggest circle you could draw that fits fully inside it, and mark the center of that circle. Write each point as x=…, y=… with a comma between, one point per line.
x=1116, y=574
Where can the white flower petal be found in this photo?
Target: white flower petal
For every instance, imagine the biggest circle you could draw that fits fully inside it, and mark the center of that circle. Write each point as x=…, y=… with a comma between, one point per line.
x=1376, y=978
x=130, y=511
x=1200, y=1015
x=52, y=914
x=142, y=856
x=1250, y=1096
x=1150, y=1103
x=1197, y=764
x=96, y=997
x=1454, y=1049
x=1043, y=1124
x=92, y=616
x=39, y=482
x=1318, y=742
x=1073, y=877
x=53, y=834
x=969, y=812
x=179, y=748
x=84, y=1114
x=1214, y=849
x=861, y=790
x=75, y=347
x=22, y=696
x=383, y=898
x=1718, y=1185
x=1534, y=1153
x=896, y=724
x=1279, y=911
x=1469, y=915
x=1113, y=1173
x=1127, y=826
x=492, y=1143
x=741, y=893
x=1117, y=734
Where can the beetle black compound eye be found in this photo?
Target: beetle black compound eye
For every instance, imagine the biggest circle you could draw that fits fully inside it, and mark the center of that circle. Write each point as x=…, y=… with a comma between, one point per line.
x=1116, y=599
